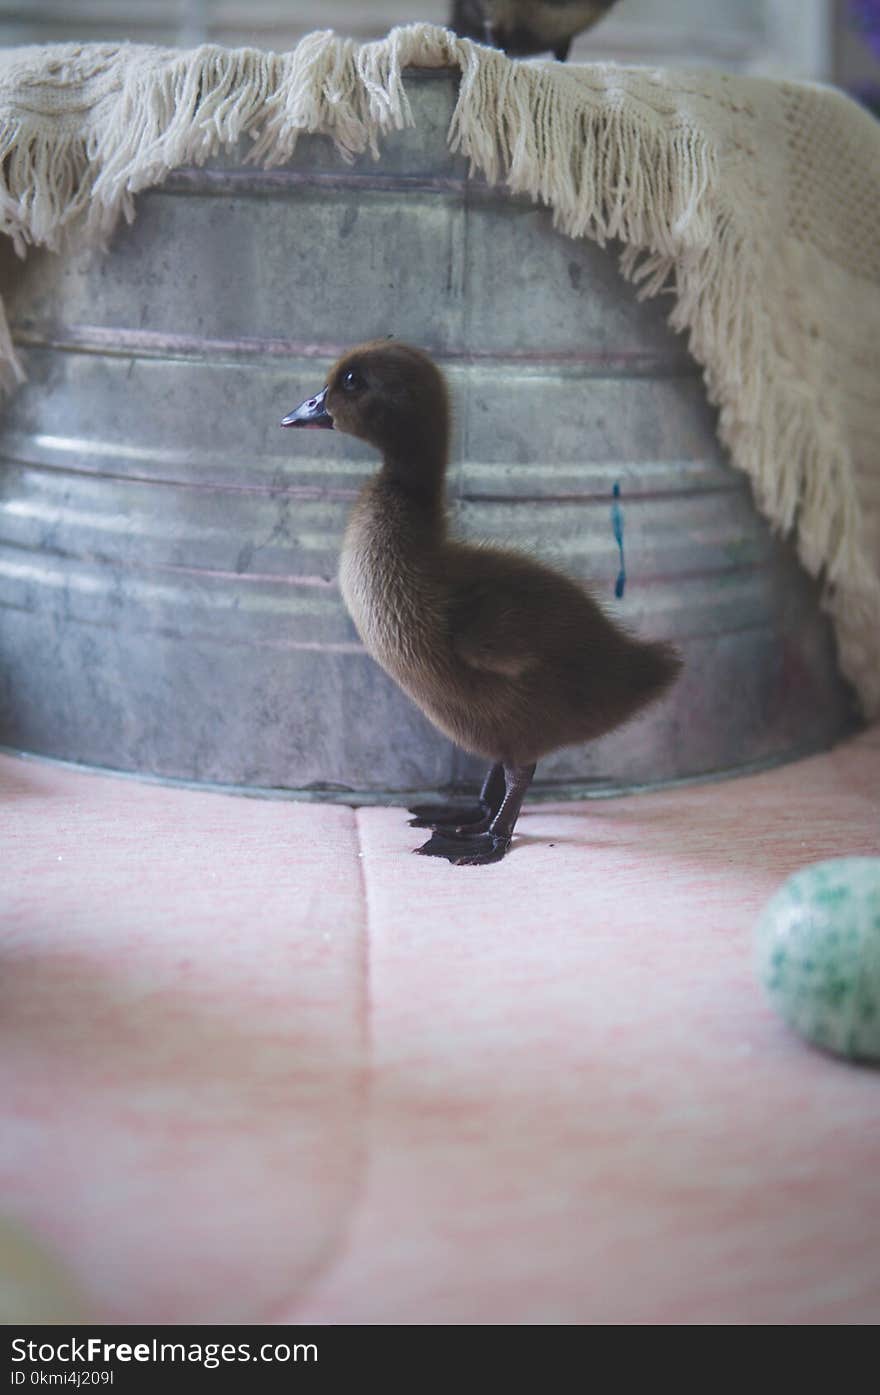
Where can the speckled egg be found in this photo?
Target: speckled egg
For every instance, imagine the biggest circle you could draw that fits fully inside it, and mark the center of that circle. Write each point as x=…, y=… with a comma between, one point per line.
x=817, y=949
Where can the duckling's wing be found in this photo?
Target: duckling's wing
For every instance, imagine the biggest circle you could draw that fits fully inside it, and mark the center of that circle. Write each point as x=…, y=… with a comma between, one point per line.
x=509, y=613
x=492, y=627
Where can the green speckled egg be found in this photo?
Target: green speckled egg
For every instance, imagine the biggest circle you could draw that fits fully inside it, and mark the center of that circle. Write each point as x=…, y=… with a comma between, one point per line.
x=817, y=947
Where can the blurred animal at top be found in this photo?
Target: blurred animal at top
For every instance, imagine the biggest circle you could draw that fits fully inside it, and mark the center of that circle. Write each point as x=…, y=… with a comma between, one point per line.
x=523, y=27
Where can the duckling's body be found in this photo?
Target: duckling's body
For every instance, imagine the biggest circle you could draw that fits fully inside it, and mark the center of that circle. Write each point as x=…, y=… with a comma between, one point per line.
x=507, y=657
x=523, y=27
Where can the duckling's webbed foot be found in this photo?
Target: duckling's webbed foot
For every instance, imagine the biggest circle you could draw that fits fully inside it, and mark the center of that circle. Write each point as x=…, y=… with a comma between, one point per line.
x=447, y=816
x=463, y=814
x=466, y=850
x=474, y=848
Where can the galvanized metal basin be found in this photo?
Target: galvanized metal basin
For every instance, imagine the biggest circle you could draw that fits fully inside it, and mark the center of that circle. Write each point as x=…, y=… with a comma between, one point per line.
x=168, y=555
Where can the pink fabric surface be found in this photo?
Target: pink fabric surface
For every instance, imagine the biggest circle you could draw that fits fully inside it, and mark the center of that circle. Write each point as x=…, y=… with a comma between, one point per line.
x=258, y=1063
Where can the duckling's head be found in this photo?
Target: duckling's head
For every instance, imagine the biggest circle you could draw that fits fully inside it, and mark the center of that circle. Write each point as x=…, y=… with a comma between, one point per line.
x=390, y=395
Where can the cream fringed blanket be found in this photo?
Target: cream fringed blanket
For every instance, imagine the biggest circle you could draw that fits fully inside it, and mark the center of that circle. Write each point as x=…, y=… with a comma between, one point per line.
x=756, y=203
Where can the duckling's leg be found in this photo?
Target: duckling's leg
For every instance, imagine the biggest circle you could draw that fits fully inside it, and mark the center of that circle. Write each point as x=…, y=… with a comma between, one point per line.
x=561, y=51
x=475, y=849
x=461, y=815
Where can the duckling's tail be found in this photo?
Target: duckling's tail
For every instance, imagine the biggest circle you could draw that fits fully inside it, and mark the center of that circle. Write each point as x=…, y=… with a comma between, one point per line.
x=651, y=668
x=658, y=664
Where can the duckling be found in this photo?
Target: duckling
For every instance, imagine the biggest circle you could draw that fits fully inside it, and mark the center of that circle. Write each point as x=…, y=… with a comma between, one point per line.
x=507, y=657
x=521, y=27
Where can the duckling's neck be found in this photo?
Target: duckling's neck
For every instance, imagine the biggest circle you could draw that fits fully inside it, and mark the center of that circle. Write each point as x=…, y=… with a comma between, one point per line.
x=416, y=475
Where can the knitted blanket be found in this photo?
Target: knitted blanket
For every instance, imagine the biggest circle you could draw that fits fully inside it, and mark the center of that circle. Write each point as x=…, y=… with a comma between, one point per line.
x=756, y=203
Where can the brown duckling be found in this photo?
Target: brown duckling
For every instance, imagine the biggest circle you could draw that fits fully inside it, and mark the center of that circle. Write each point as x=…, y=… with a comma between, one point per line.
x=507, y=657
x=523, y=27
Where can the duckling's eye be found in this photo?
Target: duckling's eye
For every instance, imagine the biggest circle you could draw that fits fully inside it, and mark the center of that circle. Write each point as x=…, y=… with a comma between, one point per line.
x=353, y=381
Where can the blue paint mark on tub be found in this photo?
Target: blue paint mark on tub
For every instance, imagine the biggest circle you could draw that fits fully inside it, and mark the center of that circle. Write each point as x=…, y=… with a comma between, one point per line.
x=617, y=526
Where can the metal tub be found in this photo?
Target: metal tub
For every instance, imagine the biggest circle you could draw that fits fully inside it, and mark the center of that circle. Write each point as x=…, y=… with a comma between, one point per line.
x=168, y=555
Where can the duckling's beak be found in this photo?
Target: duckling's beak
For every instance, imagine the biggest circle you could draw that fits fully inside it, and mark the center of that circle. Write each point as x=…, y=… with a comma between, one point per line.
x=310, y=413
